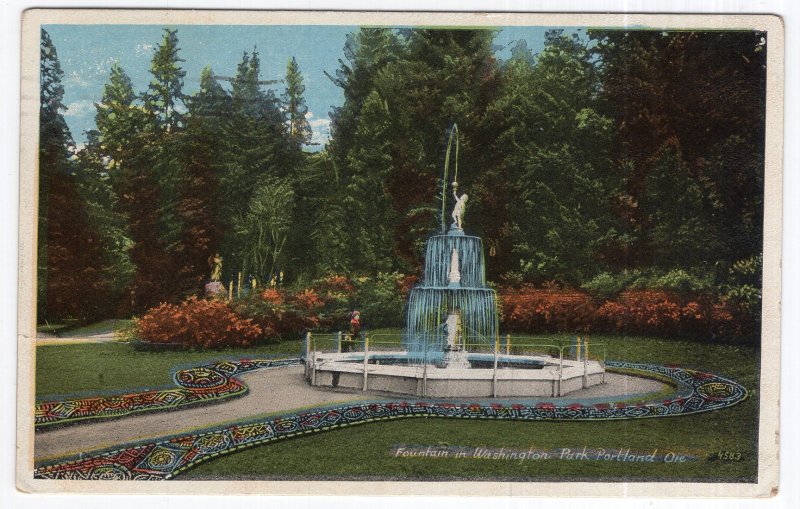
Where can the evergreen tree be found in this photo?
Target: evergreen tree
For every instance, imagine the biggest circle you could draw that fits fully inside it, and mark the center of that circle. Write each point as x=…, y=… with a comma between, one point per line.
x=132, y=149
x=556, y=161
x=201, y=163
x=55, y=141
x=196, y=208
x=210, y=102
x=164, y=97
x=259, y=148
x=70, y=251
x=694, y=101
x=324, y=243
x=443, y=78
x=371, y=216
x=295, y=104
x=94, y=184
x=428, y=80
x=119, y=119
x=367, y=52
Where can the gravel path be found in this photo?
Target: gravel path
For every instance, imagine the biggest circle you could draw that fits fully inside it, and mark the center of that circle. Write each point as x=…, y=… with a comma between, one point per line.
x=42, y=338
x=271, y=391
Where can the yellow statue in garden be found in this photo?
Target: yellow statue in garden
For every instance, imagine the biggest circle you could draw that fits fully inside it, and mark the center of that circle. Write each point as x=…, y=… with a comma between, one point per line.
x=216, y=267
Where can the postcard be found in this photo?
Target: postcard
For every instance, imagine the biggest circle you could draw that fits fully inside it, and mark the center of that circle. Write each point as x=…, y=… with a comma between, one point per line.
x=491, y=254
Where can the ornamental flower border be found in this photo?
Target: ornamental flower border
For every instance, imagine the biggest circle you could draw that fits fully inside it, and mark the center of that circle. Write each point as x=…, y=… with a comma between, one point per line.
x=199, y=385
x=165, y=459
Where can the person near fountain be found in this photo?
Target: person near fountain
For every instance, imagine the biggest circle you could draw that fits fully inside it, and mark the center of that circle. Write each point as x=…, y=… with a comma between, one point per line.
x=355, y=332
x=459, y=209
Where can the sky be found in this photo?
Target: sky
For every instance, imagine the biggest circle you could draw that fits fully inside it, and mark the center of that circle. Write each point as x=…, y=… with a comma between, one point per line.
x=86, y=53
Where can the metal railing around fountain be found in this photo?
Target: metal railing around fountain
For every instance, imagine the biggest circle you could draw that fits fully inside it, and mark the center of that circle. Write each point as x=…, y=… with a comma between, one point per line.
x=505, y=352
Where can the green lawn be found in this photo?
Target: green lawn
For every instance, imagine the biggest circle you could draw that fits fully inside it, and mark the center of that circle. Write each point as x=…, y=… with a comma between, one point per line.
x=368, y=451
x=365, y=452
x=102, y=367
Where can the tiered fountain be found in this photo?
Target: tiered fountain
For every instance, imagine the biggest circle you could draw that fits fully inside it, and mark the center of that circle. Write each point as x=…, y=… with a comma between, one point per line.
x=450, y=345
x=452, y=309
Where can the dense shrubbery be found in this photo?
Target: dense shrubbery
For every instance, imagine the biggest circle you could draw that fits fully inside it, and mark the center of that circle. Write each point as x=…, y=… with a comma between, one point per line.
x=281, y=314
x=276, y=313
x=197, y=324
x=529, y=309
x=381, y=299
x=646, y=312
x=336, y=293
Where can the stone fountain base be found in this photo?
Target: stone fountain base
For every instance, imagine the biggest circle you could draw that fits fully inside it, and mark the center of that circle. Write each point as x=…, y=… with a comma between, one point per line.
x=387, y=372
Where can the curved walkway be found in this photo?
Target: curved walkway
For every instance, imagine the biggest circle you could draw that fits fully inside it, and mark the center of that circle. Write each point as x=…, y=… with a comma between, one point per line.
x=204, y=384
x=270, y=391
x=164, y=458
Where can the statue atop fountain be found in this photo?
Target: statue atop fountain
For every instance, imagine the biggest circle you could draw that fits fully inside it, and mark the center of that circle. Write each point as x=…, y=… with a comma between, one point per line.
x=459, y=208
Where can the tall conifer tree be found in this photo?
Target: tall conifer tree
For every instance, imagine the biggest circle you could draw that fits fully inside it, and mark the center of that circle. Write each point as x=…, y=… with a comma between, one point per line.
x=70, y=251
x=295, y=104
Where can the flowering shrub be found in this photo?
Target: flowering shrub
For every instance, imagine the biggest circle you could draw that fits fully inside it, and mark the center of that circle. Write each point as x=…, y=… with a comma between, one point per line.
x=546, y=310
x=650, y=312
x=198, y=324
x=645, y=312
x=266, y=309
x=280, y=314
x=336, y=293
x=303, y=312
x=664, y=313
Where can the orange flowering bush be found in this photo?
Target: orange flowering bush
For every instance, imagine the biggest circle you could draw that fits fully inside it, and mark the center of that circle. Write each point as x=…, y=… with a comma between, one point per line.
x=664, y=313
x=197, y=324
x=650, y=312
x=304, y=311
x=644, y=312
x=336, y=293
x=532, y=309
x=280, y=314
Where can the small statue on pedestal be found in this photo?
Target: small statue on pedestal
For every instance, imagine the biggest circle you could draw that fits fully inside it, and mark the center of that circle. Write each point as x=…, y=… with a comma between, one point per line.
x=215, y=262
x=215, y=288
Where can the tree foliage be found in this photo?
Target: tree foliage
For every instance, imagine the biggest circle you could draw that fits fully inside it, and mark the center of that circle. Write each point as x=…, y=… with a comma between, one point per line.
x=296, y=109
x=611, y=161
x=71, y=259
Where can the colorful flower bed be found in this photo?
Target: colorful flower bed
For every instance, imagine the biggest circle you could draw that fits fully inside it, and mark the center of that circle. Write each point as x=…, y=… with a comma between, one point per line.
x=198, y=385
x=698, y=392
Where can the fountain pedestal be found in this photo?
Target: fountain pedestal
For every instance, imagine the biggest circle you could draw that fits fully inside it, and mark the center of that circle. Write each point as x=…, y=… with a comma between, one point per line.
x=454, y=358
x=454, y=355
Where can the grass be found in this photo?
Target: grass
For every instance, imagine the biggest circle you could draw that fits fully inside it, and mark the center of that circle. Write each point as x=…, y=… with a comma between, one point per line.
x=95, y=368
x=366, y=451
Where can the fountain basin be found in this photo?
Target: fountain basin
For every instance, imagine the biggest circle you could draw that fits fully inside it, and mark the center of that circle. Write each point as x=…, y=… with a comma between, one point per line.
x=397, y=373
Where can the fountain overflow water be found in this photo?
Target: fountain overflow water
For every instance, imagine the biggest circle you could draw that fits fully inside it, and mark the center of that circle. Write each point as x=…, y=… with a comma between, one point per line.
x=440, y=295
